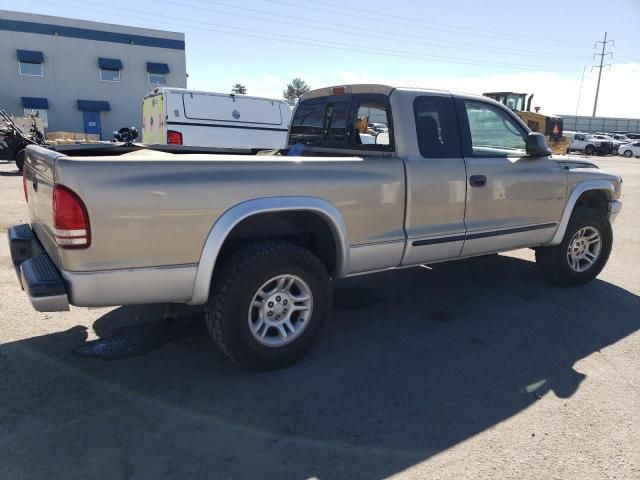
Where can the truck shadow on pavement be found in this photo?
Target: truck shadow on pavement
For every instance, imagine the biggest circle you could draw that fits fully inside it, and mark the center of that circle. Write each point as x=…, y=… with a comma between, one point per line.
x=413, y=362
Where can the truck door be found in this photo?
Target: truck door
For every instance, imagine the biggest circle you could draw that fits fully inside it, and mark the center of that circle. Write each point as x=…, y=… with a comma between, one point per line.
x=436, y=180
x=513, y=200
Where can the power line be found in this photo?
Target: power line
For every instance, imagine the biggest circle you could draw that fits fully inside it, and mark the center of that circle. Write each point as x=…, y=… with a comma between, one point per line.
x=278, y=37
x=601, y=55
x=355, y=31
x=385, y=18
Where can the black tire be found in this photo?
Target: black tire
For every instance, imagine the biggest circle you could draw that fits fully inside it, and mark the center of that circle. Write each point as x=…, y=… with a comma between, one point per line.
x=590, y=150
x=233, y=289
x=553, y=262
x=20, y=158
x=628, y=154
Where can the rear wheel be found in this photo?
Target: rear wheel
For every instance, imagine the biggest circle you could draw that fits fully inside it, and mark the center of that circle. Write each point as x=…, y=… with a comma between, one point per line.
x=584, y=250
x=628, y=153
x=590, y=150
x=268, y=304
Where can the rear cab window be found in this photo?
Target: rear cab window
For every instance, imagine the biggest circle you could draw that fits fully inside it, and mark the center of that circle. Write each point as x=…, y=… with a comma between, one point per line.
x=344, y=121
x=436, y=127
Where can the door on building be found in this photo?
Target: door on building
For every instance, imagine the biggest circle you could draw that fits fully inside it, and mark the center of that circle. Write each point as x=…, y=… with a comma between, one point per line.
x=92, y=123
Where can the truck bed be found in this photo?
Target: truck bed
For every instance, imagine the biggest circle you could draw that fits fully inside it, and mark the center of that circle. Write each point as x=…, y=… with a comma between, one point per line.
x=152, y=208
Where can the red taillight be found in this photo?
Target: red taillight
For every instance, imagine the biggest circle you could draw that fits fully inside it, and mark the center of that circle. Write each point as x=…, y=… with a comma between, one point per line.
x=174, y=138
x=24, y=182
x=70, y=219
x=340, y=90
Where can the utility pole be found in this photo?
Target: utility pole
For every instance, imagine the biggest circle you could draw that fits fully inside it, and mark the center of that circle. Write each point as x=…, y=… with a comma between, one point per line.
x=580, y=92
x=601, y=55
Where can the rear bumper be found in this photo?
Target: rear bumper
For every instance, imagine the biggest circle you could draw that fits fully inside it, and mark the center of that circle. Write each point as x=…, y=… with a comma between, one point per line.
x=51, y=289
x=39, y=277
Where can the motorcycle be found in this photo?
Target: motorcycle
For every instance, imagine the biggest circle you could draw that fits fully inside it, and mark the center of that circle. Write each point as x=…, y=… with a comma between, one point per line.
x=126, y=135
x=14, y=141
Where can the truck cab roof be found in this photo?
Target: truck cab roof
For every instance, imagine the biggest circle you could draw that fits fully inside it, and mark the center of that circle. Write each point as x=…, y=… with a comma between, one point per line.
x=373, y=88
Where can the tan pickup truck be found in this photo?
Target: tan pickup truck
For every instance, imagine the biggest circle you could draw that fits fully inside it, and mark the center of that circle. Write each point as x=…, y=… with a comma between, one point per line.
x=258, y=239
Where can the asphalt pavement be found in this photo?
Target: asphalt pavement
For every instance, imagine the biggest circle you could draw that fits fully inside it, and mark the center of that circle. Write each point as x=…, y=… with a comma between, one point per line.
x=465, y=370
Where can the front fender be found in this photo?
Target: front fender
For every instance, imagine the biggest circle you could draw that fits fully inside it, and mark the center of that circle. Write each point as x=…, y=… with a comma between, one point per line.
x=233, y=216
x=579, y=189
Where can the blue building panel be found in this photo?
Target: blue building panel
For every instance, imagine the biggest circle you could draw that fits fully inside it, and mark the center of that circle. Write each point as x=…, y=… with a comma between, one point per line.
x=93, y=106
x=110, y=63
x=30, y=56
x=35, y=102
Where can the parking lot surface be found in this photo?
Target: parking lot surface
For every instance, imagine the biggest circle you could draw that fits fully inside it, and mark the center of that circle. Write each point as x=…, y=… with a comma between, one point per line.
x=466, y=370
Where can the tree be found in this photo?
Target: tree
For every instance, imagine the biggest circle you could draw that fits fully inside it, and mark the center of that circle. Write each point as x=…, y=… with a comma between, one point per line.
x=239, y=89
x=296, y=89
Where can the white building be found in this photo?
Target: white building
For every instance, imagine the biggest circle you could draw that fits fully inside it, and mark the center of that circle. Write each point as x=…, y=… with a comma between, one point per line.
x=84, y=76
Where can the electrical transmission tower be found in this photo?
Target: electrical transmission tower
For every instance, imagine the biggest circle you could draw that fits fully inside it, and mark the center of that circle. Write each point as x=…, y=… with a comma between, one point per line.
x=599, y=67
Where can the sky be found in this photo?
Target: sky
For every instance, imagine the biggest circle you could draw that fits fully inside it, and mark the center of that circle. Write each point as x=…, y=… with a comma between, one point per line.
x=540, y=47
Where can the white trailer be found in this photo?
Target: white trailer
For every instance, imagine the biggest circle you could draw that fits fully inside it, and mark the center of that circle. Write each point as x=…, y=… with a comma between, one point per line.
x=187, y=117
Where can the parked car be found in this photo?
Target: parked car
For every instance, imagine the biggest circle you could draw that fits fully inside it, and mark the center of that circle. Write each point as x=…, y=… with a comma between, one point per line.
x=258, y=240
x=179, y=116
x=606, y=138
x=585, y=142
x=629, y=150
x=633, y=136
x=620, y=137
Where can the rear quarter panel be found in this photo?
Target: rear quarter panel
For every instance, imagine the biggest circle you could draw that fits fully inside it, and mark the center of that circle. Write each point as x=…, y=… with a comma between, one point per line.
x=148, y=212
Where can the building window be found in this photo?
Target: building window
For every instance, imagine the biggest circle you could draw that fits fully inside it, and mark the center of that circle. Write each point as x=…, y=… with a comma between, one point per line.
x=109, y=69
x=41, y=113
x=107, y=75
x=30, y=62
x=157, y=79
x=31, y=69
x=157, y=73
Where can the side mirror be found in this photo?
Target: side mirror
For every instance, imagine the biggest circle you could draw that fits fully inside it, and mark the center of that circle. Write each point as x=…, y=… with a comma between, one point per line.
x=537, y=145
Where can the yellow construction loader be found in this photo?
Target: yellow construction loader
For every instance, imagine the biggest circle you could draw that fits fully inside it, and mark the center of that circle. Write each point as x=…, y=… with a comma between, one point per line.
x=549, y=125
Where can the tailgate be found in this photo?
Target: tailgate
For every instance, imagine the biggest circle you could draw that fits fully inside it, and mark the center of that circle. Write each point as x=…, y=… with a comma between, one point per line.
x=40, y=177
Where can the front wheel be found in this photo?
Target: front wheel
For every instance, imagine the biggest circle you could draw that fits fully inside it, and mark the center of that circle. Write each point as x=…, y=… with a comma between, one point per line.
x=584, y=250
x=268, y=304
x=590, y=150
x=628, y=153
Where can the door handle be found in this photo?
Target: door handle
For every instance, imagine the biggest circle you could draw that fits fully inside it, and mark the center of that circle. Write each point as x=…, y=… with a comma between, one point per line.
x=477, y=180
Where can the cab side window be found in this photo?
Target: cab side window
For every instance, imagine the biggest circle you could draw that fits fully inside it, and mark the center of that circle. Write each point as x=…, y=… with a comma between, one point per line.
x=493, y=132
x=436, y=127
